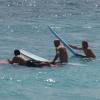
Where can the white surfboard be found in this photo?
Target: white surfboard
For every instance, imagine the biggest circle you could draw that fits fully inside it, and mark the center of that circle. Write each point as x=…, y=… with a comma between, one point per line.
x=32, y=56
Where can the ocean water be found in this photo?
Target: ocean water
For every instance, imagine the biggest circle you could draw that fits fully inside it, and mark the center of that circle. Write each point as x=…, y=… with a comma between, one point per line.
x=23, y=24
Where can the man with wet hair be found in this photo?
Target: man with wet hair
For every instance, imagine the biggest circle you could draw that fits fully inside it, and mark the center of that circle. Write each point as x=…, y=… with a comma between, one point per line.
x=61, y=53
x=85, y=47
x=18, y=59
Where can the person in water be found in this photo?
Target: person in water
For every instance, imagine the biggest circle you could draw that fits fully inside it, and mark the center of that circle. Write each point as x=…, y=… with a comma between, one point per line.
x=61, y=53
x=18, y=59
x=85, y=47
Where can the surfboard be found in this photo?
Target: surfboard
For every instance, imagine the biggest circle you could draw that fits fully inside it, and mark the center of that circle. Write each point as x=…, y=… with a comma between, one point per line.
x=4, y=62
x=32, y=56
x=64, y=42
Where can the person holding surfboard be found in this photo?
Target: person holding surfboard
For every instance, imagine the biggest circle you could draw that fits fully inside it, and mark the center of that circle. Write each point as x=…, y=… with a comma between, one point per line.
x=18, y=59
x=61, y=53
x=85, y=47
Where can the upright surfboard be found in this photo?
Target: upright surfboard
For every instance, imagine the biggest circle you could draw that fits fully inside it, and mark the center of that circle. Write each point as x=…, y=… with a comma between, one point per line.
x=64, y=42
x=32, y=56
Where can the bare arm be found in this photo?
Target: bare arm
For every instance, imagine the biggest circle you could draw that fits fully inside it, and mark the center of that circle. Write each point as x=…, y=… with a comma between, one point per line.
x=14, y=59
x=10, y=61
x=55, y=58
x=90, y=54
x=75, y=47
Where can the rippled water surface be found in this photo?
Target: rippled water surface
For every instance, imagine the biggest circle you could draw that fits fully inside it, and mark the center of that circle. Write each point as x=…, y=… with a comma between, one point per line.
x=23, y=24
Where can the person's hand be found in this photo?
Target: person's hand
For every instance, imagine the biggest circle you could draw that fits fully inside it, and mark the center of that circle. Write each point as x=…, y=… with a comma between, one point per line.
x=10, y=61
x=52, y=62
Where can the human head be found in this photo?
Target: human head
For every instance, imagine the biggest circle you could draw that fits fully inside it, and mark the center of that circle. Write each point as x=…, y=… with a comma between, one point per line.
x=16, y=52
x=84, y=44
x=56, y=43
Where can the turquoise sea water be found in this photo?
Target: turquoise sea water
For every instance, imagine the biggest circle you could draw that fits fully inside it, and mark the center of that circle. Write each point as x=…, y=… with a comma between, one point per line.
x=23, y=24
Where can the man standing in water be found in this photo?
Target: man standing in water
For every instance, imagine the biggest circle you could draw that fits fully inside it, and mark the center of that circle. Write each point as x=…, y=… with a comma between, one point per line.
x=61, y=53
x=87, y=51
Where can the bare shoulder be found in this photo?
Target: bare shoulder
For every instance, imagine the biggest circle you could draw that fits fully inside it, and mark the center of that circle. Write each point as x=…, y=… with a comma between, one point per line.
x=15, y=58
x=90, y=52
x=61, y=46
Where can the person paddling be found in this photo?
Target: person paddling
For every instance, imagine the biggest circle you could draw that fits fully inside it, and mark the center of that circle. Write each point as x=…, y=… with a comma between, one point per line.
x=18, y=59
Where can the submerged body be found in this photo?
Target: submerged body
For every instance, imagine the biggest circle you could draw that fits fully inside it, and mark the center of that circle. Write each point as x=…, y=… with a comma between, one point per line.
x=61, y=53
x=87, y=51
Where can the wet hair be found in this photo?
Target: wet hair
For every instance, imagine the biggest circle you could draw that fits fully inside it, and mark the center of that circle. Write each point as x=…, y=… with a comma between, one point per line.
x=16, y=52
x=84, y=44
x=56, y=43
